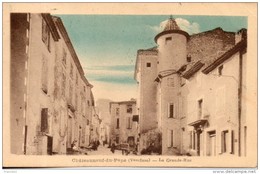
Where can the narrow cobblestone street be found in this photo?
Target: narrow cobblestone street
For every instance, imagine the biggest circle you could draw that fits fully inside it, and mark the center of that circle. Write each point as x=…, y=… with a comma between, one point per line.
x=104, y=150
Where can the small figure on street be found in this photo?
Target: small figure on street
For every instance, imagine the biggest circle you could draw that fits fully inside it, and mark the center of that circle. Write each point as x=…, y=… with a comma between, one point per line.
x=113, y=147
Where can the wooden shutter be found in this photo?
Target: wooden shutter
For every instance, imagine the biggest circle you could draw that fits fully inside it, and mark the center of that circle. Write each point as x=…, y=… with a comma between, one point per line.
x=231, y=141
x=169, y=138
x=44, y=120
x=174, y=138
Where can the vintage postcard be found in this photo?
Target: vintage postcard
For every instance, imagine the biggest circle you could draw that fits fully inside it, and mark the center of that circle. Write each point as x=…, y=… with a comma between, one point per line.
x=130, y=84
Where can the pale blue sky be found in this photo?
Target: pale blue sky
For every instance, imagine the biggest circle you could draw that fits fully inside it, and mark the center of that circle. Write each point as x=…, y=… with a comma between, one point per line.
x=107, y=44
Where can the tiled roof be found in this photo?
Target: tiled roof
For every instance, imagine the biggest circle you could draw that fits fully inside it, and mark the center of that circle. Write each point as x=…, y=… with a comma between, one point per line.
x=171, y=25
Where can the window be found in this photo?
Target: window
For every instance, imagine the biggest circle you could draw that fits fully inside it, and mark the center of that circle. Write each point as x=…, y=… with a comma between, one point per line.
x=168, y=39
x=63, y=85
x=224, y=141
x=45, y=34
x=117, y=139
x=188, y=58
x=117, y=123
x=71, y=70
x=200, y=103
x=220, y=70
x=129, y=122
x=170, y=138
x=171, y=113
x=148, y=64
x=76, y=79
x=84, y=88
x=76, y=100
x=87, y=121
x=71, y=93
x=44, y=75
x=117, y=111
x=129, y=108
x=64, y=56
x=170, y=82
x=227, y=141
x=44, y=120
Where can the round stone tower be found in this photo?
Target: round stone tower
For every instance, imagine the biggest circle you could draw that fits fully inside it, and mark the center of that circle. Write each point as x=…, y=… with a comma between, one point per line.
x=172, y=46
x=172, y=55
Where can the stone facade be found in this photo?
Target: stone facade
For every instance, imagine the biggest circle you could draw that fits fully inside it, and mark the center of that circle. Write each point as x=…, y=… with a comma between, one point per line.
x=123, y=128
x=197, y=81
x=51, y=100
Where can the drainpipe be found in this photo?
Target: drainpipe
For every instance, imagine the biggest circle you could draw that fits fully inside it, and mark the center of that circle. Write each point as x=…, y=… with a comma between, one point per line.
x=240, y=100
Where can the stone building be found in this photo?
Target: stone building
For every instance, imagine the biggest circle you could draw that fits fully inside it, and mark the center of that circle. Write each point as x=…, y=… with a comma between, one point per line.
x=194, y=87
x=51, y=100
x=124, y=129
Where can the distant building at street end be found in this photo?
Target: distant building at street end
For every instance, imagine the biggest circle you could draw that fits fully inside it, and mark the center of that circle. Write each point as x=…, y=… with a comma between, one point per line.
x=124, y=125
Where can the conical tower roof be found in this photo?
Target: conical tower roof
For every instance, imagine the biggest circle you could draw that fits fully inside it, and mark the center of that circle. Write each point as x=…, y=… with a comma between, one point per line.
x=171, y=25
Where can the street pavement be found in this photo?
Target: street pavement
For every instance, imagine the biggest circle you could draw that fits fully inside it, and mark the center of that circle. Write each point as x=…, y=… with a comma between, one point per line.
x=104, y=150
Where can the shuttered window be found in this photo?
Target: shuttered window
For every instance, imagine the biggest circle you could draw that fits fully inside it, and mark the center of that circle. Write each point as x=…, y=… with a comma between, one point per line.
x=44, y=120
x=45, y=34
x=44, y=74
x=170, y=138
x=129, y=122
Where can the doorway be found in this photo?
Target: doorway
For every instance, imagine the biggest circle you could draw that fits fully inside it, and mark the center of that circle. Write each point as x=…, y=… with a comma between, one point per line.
x=49, y=145
x=211, y=144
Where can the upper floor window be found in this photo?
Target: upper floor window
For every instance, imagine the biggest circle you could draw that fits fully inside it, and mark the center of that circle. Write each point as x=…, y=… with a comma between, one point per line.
x=44, y=75
x=117, y=111
x=45, y=34
x=44, y=120
x=220, y=70
x=188, y=58
x=117, y=123
x=76, y=79
x=71, y=70
x=171, y=111
x=168, y=39
x=129, y=122
x=64, y=56
x=129, y=109
x=200, y=105
x=148, y=64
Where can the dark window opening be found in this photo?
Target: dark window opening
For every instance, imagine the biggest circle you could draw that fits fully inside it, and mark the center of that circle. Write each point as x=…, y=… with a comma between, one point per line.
x=129, y=109
x=220, y=70
x=171, y=110
x=188, y=58
x=168, y=39
x=44, y=120
x=148, y=64
x=200, y=102
x=117, y=123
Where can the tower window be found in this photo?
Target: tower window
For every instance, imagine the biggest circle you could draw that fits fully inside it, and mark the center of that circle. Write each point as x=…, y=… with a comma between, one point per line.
x=220, y=70
x=168, y=39
x=148, y=64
